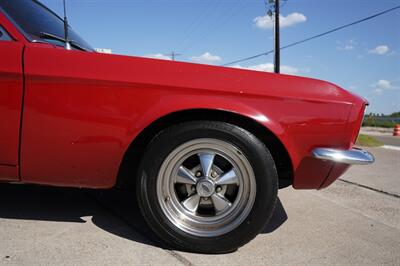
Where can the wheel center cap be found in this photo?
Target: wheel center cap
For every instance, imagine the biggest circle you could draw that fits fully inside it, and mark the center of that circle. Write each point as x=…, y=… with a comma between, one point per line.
x=205, y=188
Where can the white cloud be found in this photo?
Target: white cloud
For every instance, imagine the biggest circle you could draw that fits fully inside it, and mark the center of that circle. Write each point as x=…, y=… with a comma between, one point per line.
x=382, y=85
x=269, y=67
x=206, y=58
x=347, y=45
x=380, y=50
x=265, y=22
x=158, y=56
x=378, y=91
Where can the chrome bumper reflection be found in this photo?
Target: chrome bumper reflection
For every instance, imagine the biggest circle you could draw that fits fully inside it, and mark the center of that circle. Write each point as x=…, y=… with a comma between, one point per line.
x=353, y=156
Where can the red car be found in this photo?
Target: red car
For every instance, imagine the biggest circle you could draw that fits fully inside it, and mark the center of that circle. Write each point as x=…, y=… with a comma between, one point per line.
x=206, y=147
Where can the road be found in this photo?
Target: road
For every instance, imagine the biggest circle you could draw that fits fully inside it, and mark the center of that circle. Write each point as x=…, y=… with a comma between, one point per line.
x=355, y=221
x=389, y=140
x=385, y=135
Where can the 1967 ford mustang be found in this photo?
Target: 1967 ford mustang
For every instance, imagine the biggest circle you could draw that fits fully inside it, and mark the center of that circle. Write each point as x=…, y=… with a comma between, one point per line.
x=206, y=147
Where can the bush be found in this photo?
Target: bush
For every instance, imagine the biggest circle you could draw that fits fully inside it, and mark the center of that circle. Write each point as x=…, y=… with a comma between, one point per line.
x=373, y=121
x=387, y=124
x=396, y=114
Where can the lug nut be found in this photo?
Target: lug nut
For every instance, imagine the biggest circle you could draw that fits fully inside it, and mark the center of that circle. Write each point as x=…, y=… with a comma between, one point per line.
x=206, y=198
x=213, y=174
x=198, y=174
x=218, y=189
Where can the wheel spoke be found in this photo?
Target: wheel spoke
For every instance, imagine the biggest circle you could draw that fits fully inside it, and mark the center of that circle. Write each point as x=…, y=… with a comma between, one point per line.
x=206, y=161
x=205, y=188
x=184, y=176
x=192, y=203
x=220, y=202
x=228, y=178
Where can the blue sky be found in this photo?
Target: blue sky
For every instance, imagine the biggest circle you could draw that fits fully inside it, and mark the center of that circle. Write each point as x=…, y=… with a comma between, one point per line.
x=364, y=58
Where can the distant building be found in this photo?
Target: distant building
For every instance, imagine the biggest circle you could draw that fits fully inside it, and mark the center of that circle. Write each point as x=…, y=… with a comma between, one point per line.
x=103, y=50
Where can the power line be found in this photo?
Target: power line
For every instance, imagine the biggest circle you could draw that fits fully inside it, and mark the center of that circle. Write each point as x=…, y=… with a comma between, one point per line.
x=190, y=29
x=221, y=22
x=267, y=4
x=315, y=36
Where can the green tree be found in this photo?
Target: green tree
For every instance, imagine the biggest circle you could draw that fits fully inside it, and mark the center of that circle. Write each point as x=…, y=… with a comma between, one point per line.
x=395, y=114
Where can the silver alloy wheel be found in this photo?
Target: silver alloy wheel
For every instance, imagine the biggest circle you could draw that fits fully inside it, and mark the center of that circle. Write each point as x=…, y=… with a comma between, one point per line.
x=206, y=187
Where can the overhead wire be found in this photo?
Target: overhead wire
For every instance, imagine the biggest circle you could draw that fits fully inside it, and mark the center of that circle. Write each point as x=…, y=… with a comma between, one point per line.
x=315, y=36
x=235, y=7
x=191, y=28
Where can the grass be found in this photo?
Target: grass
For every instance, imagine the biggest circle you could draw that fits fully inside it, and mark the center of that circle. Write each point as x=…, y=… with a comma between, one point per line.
x=368, y=141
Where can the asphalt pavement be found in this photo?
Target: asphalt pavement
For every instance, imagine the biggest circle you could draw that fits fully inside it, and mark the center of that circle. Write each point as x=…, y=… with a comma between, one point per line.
x=354, y=221
x=385, y=135
x=389, y=140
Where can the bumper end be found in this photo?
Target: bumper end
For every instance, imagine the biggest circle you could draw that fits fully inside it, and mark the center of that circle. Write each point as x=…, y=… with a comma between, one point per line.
x=352, y=156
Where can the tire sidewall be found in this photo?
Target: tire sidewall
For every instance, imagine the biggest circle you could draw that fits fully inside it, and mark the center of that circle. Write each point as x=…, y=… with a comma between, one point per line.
x=256, y=153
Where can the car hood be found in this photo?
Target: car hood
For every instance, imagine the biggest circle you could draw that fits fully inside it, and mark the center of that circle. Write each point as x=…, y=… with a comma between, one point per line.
x=166, y=74
x=230, y=80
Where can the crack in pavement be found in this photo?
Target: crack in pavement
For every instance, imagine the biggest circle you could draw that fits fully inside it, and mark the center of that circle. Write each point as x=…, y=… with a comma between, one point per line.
x=174, y=254
x=353, y=210
x=370, y=188
x=184, y=261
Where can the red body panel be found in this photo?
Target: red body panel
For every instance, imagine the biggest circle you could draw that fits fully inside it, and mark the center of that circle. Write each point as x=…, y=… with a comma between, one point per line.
x=11, y=85
x=82, y=110
x=11, y=89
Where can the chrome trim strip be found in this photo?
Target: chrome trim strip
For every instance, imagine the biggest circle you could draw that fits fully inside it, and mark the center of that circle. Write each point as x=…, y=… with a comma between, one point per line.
x=352, y=156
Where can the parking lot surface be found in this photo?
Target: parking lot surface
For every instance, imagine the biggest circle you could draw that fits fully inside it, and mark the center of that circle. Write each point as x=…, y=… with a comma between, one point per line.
x=354, y=221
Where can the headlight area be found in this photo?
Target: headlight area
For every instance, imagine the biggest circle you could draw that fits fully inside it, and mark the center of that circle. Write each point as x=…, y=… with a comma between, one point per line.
x=356, y=117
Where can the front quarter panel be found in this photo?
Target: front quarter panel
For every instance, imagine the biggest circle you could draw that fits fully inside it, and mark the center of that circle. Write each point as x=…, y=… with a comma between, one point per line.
x=82, y=110
x=79, y=119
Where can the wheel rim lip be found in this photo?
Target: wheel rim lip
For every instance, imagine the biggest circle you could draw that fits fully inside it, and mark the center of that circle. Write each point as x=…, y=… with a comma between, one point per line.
x=200, y=225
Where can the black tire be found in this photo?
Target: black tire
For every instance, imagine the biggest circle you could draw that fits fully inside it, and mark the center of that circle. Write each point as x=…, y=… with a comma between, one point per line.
x=252, y=148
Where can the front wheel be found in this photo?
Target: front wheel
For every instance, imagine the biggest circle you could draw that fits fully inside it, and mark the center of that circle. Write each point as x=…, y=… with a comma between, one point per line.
x=207, y=186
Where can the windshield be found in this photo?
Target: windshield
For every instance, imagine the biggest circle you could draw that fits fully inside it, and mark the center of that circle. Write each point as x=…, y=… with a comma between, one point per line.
x=35, y=19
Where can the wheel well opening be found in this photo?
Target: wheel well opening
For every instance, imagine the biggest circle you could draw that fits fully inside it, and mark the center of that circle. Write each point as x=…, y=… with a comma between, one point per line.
x=130, y=163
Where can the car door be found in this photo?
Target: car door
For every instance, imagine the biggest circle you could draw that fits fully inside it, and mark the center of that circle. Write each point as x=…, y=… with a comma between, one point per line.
x=77, y=117
x=11, y=92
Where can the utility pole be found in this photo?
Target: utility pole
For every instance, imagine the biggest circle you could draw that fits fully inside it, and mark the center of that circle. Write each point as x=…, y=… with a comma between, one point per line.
x=277, y=59
x=173, y=55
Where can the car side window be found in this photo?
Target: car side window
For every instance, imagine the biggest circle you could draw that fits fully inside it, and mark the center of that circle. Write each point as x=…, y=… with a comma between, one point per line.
x=4, y=36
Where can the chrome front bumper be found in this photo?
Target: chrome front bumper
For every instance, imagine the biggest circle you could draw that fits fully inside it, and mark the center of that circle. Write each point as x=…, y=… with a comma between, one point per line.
x=353, y=156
